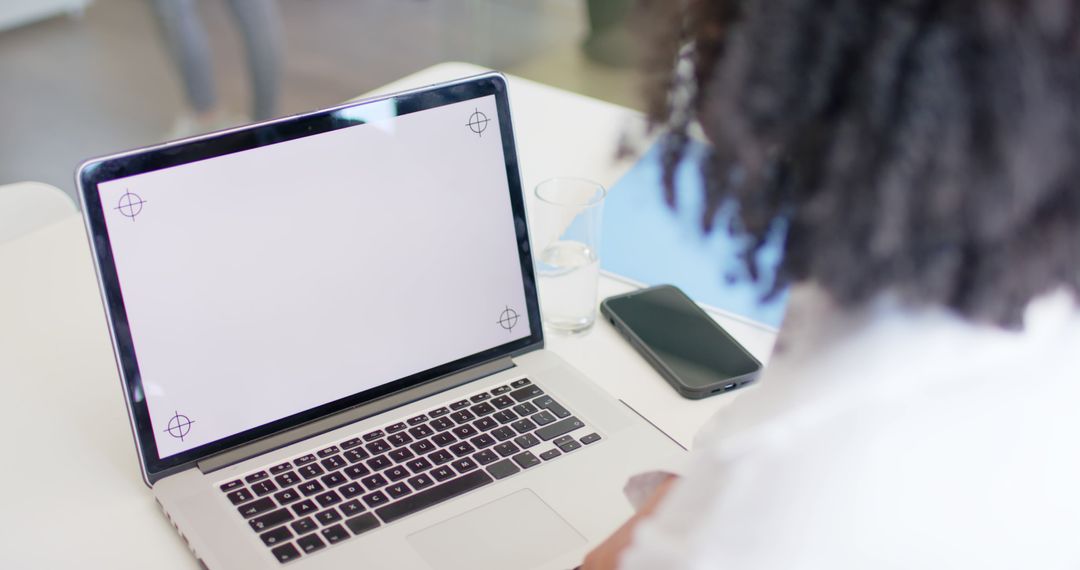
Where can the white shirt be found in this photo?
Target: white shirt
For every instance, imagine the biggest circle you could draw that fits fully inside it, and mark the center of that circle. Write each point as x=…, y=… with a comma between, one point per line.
x=893, y=439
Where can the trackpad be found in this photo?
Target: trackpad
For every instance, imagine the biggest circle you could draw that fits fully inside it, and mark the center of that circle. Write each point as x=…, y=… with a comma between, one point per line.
x=516, y=531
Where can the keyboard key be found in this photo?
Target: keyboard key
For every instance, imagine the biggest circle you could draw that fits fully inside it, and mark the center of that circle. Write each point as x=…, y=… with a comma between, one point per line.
x=526, y=441
x=232, y=485
x=362, y=523
x=401, y=455
x=526, y=409
x=503, y=469
x=504, y=417
x=558, y=428
x=440, y=457
x=353, y=507
x=374, y=482
x=557, y=409
x=483, y=440
x=441, y=424
x=485, y=457
x=396, y=473
x=591, y=438
x=482, y=409
x=270, y=520
x=333, y=463
x=396, y=427
x=462, y=449
x=354, y=442
x=263, y=488
x=310, y=543
x=276, y=536
x=328, y=498
x=442, y=473
x=332, y=450
x=257, y=508
x=422, y=447
x=462, y=417
x=375, y=499
x=465, y=431
x=485, y=424
x=417, y=420
x=334, y=479
x=287, y=479
x=398, y=490
x=304, y=525
x=285, y=553
x=310, y=488
x=523, y=426
x=562, y=440
x=240, y=496
x=356, y=455
x=459, y=405
x=329, y=516
x=443, y=439
x=378, y=446
x=254, y=477
x=500, y=390
x=418, y=465
x=399, y=439
x=520, y=383
x=570, y=446
x=550, y=454
x=305, y=507
x=351, y=490
x=287, y=496
x=421, y=482
x=439, y=412
x=543, y=418
x=309, y=458
x=372, y=436
x=464, y=465
x=480, y=397
x=421, y=431
x=278, y=469
x=504, y=433
x=526, y=460
x=435, y=495
x=379, y=463
x=310, y=471
x=543, y=401
x=502, y=402
x=356, y=471
x=526, y=393
x=335, y=534
x=506, y=449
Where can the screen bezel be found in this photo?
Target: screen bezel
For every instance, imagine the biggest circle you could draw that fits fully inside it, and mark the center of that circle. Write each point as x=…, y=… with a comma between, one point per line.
x=105, y=169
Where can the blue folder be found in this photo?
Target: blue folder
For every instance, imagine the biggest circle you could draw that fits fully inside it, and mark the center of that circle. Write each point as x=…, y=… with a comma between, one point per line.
x=645, y=240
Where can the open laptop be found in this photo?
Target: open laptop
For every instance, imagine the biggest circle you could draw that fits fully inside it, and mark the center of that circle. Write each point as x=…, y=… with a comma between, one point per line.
x=329, y=339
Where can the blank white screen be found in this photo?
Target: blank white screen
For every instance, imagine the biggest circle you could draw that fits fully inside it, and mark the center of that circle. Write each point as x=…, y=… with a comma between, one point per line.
x=263, y=283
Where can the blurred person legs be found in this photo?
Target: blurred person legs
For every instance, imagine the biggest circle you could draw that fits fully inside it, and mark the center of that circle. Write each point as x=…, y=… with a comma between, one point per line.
x=260, y=25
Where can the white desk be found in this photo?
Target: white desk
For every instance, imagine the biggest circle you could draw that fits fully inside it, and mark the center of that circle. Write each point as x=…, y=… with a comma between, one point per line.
x=70, y=488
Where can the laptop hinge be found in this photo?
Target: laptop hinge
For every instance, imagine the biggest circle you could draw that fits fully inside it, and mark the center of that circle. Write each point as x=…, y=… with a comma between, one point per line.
x=345, y=417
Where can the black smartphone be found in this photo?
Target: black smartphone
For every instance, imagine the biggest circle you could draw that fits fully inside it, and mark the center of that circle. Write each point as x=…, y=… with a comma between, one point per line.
x=685, y=345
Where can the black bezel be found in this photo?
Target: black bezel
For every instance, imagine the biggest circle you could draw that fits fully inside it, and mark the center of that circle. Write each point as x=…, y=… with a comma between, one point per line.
x=123, y=165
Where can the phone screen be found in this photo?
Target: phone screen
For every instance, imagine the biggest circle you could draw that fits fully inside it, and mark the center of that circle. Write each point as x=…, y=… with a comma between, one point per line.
x=696, y=350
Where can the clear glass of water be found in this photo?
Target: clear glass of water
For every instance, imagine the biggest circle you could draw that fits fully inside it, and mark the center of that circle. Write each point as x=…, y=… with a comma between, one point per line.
x=566, y=232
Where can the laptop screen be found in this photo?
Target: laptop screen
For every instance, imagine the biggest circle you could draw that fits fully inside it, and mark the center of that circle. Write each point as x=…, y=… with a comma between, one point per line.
x=270, y=281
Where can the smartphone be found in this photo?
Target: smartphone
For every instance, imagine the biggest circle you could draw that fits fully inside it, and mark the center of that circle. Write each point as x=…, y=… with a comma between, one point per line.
x=685, y=345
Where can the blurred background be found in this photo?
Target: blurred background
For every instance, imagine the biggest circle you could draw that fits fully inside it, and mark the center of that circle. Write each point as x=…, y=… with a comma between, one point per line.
x=80, y=78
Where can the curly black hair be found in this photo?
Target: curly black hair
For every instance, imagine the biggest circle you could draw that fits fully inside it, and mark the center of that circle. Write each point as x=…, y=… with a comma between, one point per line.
x=924, y=148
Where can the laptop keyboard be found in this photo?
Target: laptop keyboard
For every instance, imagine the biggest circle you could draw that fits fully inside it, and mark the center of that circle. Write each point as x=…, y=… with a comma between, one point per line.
x=321, y=498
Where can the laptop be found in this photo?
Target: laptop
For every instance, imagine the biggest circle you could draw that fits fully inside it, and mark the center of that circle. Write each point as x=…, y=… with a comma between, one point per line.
x=329, y=341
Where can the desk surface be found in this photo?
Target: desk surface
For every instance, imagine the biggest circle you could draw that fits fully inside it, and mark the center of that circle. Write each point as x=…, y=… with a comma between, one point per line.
x=73, y=496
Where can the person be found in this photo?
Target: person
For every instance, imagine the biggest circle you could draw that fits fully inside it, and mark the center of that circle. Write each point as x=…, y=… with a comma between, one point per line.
x=260, y=24
x=920, y=409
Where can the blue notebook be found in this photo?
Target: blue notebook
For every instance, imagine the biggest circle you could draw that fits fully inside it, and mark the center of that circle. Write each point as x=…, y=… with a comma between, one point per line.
x=646, y=241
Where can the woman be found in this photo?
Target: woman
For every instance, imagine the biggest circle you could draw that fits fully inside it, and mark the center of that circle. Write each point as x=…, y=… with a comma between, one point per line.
x=921, y=410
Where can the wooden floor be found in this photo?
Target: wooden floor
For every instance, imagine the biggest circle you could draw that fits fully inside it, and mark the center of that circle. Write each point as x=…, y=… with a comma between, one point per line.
x=76, y=87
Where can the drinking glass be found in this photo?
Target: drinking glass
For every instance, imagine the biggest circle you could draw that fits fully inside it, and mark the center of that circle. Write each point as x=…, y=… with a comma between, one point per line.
x=566, y=232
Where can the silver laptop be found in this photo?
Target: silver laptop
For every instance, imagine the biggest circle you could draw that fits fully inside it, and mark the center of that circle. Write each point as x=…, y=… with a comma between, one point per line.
x=329, y=340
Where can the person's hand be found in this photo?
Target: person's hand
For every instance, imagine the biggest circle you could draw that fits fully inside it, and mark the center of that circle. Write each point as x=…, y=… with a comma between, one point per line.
x=606, y=556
